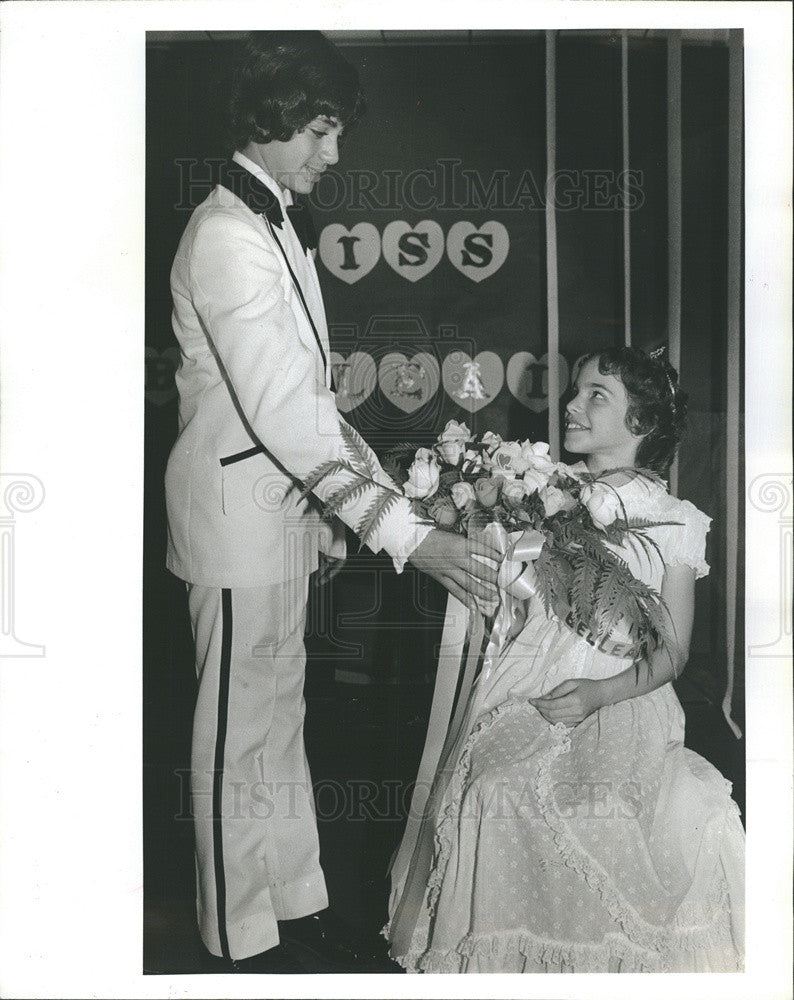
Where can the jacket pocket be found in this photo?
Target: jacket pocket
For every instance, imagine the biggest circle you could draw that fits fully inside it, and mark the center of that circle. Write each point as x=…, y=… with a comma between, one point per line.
x=238, y=481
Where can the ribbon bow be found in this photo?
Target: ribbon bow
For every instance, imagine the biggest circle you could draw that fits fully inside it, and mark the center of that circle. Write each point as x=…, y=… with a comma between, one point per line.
x=517, y=583
x=517, y=572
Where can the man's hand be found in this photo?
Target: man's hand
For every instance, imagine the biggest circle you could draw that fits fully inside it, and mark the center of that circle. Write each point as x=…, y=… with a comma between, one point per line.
x=452, y=560
x=571, y=701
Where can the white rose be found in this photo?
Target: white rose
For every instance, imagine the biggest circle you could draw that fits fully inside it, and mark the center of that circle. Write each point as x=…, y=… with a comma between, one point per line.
x=472, y=460
x=535, y=479
x=602, y=503
x=462, y=493
x=537, y=456
x=571, y=471
x=554, y=500
x=452, y=441
x=506, y=460
x=422, y=476
x=491, y=440
x=513, y=490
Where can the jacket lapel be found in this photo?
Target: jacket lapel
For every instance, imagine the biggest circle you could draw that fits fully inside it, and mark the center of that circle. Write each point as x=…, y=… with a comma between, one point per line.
x=262, y=202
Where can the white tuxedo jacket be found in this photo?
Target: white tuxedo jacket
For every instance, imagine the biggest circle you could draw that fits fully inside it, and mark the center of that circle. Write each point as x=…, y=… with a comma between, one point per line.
x=256, y=413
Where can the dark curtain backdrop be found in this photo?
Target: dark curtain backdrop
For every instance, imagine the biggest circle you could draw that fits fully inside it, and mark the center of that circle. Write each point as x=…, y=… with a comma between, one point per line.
x=455, y=134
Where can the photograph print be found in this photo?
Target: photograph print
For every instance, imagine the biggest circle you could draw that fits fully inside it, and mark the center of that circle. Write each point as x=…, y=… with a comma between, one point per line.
x=443, y=609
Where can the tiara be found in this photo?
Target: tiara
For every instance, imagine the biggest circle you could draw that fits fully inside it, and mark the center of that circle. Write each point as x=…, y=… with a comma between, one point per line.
x=658, y=357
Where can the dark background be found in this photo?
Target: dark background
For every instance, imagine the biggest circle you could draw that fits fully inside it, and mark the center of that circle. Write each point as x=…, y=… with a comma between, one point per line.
x=481, y=102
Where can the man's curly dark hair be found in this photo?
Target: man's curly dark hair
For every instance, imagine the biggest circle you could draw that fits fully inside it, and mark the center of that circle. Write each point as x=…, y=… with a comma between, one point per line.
x=283, y=80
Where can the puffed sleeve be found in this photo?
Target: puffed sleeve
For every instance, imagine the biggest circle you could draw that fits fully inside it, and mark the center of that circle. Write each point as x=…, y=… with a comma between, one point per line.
x=684, y=544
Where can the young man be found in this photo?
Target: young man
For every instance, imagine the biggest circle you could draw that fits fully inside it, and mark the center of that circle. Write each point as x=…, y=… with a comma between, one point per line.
x=257, y=415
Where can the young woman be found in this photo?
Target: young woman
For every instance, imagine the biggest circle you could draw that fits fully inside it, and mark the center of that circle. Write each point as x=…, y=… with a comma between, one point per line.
x=576, y=833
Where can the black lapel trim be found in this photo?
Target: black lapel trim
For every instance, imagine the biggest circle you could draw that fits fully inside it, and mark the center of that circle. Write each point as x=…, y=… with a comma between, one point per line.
x=260, y=199
x=217, y=779
x=299, y=290
x=252, y=192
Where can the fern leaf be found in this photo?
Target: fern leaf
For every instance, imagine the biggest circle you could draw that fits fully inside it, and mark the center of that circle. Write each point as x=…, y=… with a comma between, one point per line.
x=644, y=522
x=316, y=476
x=650, y=475
x=345, y=494
x=403, y=449
x=647, y=544
x=585, y=577
x=448, y=478
x=374, y=515
x=543, y=580
x=359, y=451
x=394, y=470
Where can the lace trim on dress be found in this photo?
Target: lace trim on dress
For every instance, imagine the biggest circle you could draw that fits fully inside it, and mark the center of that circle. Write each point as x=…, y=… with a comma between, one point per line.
x=614, y=954
x=654, y=946
x=692, y=929
x=683, y=545
x=576, y=956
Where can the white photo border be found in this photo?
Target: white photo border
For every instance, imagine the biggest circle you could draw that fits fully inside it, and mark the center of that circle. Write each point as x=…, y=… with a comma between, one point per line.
x=72, y=79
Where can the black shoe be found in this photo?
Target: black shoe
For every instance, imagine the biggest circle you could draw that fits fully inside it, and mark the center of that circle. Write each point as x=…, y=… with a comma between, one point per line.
x=323, y=942
x=276, y=960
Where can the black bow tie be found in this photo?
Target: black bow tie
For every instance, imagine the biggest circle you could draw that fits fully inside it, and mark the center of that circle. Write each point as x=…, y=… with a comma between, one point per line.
x=303, y=224
x=261, y=200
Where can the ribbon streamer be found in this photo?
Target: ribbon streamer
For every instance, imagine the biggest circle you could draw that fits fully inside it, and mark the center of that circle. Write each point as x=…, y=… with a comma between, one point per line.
x=410, y=865
x=412, y=861
x=517, y=584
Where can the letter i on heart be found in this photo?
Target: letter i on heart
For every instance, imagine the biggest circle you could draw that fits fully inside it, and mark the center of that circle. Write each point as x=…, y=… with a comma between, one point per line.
x=349, y=254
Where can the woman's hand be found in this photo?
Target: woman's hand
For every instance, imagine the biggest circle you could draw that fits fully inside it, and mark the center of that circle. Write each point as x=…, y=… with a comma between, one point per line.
x=571, y=701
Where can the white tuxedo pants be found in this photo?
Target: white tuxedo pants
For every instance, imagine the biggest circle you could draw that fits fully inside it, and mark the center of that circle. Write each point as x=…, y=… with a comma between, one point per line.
x=257, y=850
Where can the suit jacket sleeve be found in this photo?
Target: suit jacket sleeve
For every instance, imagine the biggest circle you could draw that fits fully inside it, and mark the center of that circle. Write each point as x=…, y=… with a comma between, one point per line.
x=241, y=297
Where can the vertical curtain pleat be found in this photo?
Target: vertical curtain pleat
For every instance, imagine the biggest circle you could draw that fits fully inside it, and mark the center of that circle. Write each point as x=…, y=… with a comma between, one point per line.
x=624, y=95
x=674, y=213
x=552, y=287
x=733, y=385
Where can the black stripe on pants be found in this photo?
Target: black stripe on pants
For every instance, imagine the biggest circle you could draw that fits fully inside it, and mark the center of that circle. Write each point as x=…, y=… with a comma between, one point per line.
x=217, y=778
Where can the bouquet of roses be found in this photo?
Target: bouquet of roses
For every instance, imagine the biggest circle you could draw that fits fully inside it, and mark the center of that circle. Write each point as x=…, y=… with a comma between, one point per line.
x=562, y=525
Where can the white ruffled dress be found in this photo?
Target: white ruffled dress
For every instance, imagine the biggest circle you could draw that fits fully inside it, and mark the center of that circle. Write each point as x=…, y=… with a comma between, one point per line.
x=608, y=847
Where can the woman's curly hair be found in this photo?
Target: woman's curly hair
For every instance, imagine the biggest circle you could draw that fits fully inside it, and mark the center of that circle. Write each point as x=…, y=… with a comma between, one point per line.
x=283, y=80
x=657, y=404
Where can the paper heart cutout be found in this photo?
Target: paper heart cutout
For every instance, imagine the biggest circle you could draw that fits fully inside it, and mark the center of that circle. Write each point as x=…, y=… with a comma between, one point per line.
x=473, y=383
x=409, y=384
x=160, y=368
x=478, y=253
x=355, y=377
x=349, y=254
x=413, y=251
x=528, y=379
